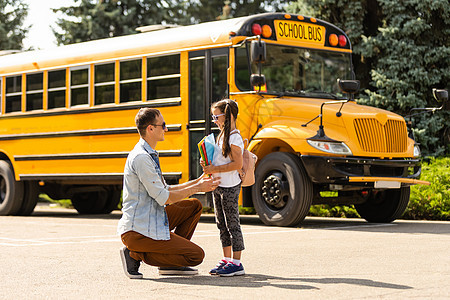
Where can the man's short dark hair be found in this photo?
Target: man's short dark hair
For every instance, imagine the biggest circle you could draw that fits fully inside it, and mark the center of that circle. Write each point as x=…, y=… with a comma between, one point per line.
x=145, y=117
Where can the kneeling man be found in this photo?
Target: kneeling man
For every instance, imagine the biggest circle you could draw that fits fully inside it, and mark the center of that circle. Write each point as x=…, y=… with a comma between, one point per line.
x=151, y=209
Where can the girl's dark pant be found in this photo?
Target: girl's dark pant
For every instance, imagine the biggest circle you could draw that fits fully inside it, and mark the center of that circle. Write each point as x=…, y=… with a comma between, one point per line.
x=226, y=207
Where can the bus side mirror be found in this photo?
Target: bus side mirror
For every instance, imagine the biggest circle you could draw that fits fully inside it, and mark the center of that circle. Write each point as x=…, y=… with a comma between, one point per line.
x=257, y=80
x=258, y=51
x=442, y=96
x=348, y=86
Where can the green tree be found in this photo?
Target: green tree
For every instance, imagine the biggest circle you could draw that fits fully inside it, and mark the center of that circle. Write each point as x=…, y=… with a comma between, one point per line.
x=12, y=30
x=210, y=10
x=401, y=51
x=92, y=19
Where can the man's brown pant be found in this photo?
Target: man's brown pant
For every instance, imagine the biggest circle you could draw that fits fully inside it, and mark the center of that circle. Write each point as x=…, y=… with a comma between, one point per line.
x=179, y=251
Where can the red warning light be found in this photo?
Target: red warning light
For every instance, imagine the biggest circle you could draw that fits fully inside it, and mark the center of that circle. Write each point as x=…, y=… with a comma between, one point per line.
x=342, y=41
x=256, y=29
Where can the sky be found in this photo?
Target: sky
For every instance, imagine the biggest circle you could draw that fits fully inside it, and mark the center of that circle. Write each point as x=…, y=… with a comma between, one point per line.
x=40, y=17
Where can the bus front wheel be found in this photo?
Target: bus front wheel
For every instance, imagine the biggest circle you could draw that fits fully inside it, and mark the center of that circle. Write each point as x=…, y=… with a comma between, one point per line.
x=11, y=191
x=282, y=193
x=384, y=206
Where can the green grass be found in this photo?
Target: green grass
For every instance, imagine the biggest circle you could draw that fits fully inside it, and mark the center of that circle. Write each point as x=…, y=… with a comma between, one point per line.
x=66, y=203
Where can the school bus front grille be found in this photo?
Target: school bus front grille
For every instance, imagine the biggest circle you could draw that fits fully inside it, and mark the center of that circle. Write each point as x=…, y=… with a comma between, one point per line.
x=376, y=137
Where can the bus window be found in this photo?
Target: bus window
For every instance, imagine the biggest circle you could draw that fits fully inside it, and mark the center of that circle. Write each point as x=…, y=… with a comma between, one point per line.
x=13, y=95
x=309, y=72
x=288, y=68
x=104, y=83
x=219, y=77
x=163, y=77
x=242, y=69
x=56, y=89
x=197, y=100
x=130, y=80
x=79, y=85
x=35, y=90
x=197, y=109
x=1, y=93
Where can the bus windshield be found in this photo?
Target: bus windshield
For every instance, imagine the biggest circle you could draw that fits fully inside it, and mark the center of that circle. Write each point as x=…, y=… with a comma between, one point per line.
x=296, y=71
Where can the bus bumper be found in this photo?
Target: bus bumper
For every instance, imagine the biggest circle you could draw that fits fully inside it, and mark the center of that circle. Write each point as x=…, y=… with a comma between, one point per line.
x=363, y=172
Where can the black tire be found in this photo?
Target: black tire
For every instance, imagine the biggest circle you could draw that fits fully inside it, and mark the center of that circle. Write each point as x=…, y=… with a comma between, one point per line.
x=30, y=198
x=11, y=191
x=384, y=206
x=282, y=174
x=90, y=202
x=112, y=201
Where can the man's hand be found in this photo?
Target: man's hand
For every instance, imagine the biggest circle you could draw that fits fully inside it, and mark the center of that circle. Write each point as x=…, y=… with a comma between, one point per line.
x=208, y=184
x=204, y=183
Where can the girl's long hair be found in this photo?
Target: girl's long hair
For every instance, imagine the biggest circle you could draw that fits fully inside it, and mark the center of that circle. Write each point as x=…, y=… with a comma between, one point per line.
x=227, y=107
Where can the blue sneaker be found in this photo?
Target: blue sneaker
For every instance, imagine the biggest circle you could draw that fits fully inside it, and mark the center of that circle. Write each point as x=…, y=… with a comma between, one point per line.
x=231, y=269
x=218, y=267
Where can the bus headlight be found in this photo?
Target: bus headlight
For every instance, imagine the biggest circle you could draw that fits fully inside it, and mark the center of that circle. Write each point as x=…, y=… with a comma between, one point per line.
x=417, y=151
x=331, y=147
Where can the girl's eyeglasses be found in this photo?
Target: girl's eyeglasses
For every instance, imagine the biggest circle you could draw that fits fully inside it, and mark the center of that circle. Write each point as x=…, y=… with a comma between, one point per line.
x=163, y=125
x=216, y=117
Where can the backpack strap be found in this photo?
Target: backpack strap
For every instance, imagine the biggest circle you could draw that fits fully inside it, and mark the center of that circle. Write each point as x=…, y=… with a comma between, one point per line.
x=244, y=140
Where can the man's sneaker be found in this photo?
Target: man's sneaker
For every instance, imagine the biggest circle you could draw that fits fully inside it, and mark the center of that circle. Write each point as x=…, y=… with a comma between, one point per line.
x=177, y=271
x=218, y=267
x=231, y=269
x=130, y=265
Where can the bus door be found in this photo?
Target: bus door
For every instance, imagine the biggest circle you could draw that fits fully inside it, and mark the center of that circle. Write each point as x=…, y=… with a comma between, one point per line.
x=207, y=84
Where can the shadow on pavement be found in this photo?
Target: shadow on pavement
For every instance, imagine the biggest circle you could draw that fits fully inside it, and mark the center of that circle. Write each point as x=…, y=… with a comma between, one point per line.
x=258, y=281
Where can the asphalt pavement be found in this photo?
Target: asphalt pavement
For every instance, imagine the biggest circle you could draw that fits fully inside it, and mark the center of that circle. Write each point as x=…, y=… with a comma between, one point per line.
x=58, y=254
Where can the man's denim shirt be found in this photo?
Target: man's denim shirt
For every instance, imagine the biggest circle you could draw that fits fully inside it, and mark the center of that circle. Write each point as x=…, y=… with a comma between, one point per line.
x=144, y=195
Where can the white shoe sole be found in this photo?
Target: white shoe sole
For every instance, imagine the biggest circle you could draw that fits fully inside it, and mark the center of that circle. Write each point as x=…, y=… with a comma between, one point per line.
x=176, y=272
x=238, y=273
x=124, y=265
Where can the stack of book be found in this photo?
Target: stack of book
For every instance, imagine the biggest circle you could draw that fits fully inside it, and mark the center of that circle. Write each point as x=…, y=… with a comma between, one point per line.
x=206, y=148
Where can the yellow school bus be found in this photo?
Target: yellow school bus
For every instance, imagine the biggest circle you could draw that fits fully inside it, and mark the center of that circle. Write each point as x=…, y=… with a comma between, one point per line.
x=67, y=117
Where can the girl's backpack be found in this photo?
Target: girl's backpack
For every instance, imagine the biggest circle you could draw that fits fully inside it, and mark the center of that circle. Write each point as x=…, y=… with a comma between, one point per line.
x=247, y=173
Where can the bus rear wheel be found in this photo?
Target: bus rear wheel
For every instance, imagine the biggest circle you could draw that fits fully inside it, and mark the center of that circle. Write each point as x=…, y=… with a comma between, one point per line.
x=30, y=198
x=113, y=200
x=92, y=202
x=11, y=191
x=384, y=206
x=282, y=193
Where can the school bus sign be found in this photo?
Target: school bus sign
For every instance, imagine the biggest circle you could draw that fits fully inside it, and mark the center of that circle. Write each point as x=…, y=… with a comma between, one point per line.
x=299, y=31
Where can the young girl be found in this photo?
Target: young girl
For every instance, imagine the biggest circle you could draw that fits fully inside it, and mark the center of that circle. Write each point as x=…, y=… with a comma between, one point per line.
x=226, y=163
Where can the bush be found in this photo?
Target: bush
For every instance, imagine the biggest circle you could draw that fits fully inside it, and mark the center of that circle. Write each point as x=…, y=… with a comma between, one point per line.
x=427, y=202
x=66, y=203
x=341, y=211
x=326, y=210
x=431, y=202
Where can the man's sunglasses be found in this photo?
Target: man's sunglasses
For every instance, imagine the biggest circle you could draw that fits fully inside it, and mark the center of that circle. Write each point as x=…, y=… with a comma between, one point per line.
x=163, y=125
